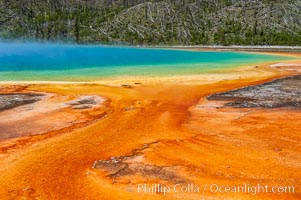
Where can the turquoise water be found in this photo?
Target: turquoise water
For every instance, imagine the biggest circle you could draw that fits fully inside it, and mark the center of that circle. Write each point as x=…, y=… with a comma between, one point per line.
x=64, y=62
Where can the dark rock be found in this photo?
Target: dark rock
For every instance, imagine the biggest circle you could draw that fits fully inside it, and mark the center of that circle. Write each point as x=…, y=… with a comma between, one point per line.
x=83, y=100
x=83, y=106
x=285, y=92
x=12, y=100
x=126, y=86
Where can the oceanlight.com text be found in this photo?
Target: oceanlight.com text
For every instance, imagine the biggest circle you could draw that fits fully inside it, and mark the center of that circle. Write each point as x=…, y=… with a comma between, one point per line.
x=210, y=188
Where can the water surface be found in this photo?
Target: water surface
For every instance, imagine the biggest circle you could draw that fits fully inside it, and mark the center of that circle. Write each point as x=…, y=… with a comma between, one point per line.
x=66, y=62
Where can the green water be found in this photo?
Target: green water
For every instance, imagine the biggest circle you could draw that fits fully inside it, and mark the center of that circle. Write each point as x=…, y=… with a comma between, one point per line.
x=64, y=62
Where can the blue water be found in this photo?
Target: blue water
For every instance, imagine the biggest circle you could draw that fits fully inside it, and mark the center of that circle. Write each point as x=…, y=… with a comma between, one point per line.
x=46, y=61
